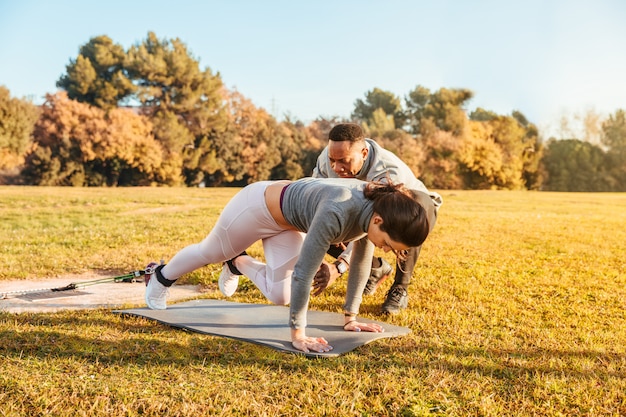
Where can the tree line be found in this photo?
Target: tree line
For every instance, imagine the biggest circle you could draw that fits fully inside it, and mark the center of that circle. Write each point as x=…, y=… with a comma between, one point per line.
x=149, y=115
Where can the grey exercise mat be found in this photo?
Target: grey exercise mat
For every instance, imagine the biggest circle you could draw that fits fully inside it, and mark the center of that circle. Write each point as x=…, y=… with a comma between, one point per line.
x=263, y=324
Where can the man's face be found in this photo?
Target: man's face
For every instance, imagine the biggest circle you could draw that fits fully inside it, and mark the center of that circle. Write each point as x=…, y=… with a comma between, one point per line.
x=347, y=158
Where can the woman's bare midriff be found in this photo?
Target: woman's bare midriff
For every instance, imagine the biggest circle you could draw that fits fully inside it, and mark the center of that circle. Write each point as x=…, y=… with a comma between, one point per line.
x=272, y=199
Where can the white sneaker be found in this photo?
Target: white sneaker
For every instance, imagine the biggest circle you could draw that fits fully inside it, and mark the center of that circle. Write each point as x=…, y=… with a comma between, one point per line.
x=228, y=281
x=156, y=293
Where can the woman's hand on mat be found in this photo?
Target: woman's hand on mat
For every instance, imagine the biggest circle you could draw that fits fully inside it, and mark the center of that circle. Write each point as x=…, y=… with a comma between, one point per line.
x=357, y=326
x=306, y=344
x=316, y=344
x=325, y=276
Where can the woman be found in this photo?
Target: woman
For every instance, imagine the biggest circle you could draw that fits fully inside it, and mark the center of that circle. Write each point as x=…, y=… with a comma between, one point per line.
x=280, y=214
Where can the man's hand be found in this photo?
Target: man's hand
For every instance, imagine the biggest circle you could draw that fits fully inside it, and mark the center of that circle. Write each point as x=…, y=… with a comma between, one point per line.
x=325, y=276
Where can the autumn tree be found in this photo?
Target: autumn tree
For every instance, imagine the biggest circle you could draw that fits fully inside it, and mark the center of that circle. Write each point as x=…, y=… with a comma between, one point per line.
x=510, y=137
x=253, y=132
x=406, y=146
x=501, y=152
x=321, y=127
x=314, y=138
x=97, y=76
x=17, y=120
x=184, y=103
x=299, y=149
x=481, y=158
x=532, y=153
x=82, y=145
x=440, y=168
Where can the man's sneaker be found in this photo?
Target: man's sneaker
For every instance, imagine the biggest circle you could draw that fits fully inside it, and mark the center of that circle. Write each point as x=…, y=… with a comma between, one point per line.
x=377, y=276
x=156, y=293
x=397, y=299
x=229, y=278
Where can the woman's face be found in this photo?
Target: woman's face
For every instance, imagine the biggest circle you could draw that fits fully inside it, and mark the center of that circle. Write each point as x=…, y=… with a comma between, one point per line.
x=381, y=239
x=347, y=158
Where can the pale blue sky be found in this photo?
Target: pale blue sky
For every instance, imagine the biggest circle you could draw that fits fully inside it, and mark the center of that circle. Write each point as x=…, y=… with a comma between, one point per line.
x=316, y=58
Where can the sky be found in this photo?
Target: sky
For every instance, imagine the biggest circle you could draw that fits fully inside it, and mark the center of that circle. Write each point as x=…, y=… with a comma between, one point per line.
x=310, y=59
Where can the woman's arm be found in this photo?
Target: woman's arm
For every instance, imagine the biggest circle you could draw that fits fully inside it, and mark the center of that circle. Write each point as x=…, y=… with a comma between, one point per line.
x=360, y=267
x=324, y=228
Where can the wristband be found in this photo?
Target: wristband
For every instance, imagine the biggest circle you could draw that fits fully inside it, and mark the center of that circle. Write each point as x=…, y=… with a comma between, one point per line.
x=341, y=267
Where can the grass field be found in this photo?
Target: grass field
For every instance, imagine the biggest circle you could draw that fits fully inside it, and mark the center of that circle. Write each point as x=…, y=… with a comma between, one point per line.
x=518, y=308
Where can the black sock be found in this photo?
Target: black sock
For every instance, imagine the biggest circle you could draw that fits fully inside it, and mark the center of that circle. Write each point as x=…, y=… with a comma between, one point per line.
x=231, y=265
x=159, y=276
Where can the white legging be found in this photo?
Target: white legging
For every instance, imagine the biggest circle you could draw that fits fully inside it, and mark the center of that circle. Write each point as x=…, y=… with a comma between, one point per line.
x=245, y=220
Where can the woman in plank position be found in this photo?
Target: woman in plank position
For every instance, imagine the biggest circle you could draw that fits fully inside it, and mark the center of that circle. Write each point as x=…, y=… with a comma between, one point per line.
x=303, y=217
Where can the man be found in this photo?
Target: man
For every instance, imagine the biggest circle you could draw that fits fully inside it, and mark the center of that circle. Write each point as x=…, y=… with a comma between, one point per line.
x=350, y=155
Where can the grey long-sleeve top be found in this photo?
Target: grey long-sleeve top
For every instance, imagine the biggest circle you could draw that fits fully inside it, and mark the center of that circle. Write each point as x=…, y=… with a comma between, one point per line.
x=328, y=211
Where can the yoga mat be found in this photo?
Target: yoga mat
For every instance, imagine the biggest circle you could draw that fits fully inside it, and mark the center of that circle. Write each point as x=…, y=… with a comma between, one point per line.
x=263, y=324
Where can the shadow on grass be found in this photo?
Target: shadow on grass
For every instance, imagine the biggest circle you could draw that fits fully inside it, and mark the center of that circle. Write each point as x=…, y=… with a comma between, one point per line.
x=506, y=363
x=99, y=335
x=109, y=338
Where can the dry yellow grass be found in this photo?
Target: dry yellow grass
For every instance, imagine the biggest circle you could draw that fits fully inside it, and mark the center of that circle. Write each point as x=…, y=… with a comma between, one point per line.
x=518, y=308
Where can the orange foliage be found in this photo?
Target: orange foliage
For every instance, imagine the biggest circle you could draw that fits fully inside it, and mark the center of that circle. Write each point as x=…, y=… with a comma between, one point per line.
x=119, y=134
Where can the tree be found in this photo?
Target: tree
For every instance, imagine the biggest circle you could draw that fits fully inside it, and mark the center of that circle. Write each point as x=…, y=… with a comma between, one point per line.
x=406, y=146
x=511, y=139
x=321, y=127
x=255, y=131
x=481, y=157
x=315, y=139
x=78, y=144
x=532, y=152
x=97, y=76
x=298, y=150
x=575, y=165
x=248, y=150
x=441, y=168
x=482, y=115
x=614, y=138
x=584, y=126
x=443, y=107
x=17, y=120
x=614, y=131
x=379, y=100
x=379, y=123
x=185, y=104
